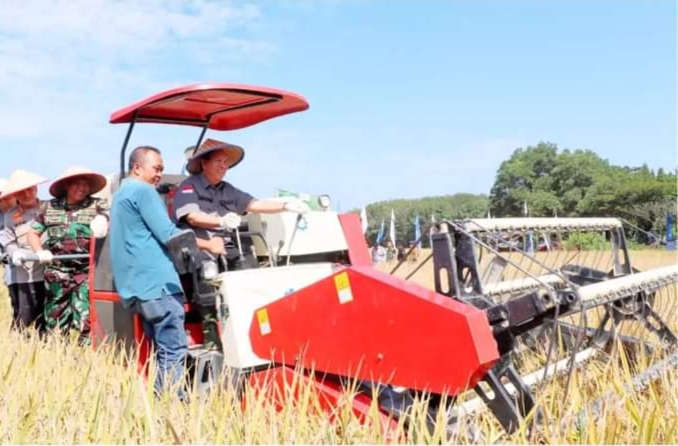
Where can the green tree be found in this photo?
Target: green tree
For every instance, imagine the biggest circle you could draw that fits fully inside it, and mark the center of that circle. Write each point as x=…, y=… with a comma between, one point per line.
x=634, y=194
x=527, y=172
x=580, y=183
x=574, y=174
x=567, y=183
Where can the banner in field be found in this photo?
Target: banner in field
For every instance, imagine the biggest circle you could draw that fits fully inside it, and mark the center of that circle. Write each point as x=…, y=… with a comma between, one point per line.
x=417, y=230
x=380, y=235
x=392, y=231
x=671, y=232
x=363, y=219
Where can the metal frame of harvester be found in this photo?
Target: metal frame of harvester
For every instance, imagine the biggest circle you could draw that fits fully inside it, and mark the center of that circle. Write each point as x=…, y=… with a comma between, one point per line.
x=332, y=317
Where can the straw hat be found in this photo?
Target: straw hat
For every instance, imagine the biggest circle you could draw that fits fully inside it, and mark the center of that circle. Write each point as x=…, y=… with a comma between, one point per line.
x=21, y=180
x=188, y=152
x=234, y=153
x=96, y=181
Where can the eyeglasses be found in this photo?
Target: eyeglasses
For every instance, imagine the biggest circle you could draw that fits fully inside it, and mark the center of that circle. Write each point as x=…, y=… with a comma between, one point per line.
x=220, y=161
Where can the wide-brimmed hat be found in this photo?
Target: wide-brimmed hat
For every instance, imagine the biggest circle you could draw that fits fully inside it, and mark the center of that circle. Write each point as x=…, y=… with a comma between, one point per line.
x=21, y=180
x=234, y=153
x=95, y=180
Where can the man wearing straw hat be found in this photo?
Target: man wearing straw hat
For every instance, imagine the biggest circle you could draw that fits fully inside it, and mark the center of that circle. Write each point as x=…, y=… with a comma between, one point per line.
x=69, y=221
x=28, y=288
x=212, y=208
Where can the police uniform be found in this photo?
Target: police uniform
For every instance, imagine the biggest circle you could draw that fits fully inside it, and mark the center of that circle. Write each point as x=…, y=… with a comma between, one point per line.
x=196, y=194
x=68, y=232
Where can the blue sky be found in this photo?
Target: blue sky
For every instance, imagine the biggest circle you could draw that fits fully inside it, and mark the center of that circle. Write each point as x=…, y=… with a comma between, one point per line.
x=407, y=99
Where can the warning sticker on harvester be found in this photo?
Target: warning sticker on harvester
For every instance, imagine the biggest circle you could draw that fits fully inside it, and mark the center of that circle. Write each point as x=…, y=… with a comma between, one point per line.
x=343, y=287
x=264, y=324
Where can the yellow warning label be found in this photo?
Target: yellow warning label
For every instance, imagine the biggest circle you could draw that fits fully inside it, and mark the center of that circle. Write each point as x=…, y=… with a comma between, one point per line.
x=264, y=324
x=343, y=287
x=341, y=281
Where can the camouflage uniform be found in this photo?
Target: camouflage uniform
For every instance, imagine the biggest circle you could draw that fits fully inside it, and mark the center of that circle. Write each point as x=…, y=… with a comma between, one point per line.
x=68, y=232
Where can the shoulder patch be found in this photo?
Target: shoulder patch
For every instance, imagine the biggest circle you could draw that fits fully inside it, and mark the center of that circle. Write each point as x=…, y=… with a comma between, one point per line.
x=187, y=189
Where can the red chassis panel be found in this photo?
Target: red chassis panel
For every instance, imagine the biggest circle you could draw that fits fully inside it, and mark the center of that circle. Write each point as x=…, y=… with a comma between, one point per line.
x=193, y=329
x=284, y=387
x=369, y=325
x=358, y=253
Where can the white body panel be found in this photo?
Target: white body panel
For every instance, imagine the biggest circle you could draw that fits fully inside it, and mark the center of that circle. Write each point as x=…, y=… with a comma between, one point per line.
x=246, y=291
x=318, y=232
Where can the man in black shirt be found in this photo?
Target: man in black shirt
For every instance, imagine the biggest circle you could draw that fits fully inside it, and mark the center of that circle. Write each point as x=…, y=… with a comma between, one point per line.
x=212, y=208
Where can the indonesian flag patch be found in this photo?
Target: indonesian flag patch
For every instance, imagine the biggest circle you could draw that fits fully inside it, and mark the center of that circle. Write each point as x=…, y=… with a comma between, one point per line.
x=187, y=189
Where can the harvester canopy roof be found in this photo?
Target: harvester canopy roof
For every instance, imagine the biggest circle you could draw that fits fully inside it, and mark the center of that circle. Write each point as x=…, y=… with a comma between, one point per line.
x=219, y=106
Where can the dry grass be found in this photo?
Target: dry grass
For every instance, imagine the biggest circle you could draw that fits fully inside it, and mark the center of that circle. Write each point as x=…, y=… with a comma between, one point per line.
x=53, y=391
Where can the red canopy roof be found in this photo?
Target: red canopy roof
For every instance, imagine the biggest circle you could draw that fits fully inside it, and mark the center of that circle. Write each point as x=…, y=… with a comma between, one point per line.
x=223, y=106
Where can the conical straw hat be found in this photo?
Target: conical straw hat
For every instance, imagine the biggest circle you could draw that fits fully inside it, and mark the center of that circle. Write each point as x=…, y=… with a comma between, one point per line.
x=235, y=154
x=96, y=181
x=21, y=180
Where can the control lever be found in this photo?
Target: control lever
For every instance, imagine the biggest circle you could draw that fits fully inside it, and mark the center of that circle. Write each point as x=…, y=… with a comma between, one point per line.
x=34, y=257
x=294, y=233
x=239, y=243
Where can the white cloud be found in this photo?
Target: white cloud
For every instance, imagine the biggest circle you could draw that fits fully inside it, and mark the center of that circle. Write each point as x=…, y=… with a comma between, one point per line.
x=132, y=28
x=66, y=65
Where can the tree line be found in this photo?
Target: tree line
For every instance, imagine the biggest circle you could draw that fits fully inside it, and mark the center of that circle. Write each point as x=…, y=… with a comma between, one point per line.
x=460, y=205
x=550, y=182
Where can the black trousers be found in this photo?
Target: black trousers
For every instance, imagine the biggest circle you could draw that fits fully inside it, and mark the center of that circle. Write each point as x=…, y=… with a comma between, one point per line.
x=233, y=262
x=206, y=303
x=28, y=304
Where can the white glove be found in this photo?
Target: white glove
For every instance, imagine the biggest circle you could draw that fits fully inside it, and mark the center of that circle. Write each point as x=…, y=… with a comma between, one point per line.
x=45, y=256
x=99, y=226
x=296, y=206
x=230, y=221
x=18, y=258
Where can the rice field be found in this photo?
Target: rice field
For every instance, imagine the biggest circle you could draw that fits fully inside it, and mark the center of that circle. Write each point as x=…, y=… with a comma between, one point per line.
x=54, y=391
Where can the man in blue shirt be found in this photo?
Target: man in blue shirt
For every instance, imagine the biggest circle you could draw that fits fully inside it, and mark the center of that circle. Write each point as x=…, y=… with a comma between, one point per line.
x=144, y=274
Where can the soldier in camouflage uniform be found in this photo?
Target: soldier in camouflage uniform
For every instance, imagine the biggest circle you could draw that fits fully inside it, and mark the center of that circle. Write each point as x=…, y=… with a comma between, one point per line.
x=66, y=225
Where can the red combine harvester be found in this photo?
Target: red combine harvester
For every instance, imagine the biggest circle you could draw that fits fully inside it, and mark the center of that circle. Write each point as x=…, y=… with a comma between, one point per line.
x=314, y=309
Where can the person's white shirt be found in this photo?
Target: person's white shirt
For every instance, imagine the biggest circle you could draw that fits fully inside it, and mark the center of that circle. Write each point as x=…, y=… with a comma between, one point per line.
x=378, y=254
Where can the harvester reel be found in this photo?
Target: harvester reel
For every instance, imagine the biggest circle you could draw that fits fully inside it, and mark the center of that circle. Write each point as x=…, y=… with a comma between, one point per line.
x=527, y=296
